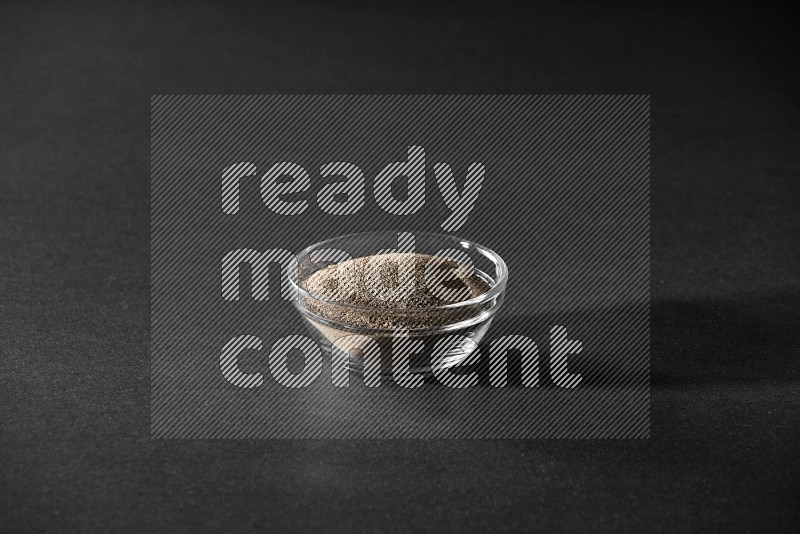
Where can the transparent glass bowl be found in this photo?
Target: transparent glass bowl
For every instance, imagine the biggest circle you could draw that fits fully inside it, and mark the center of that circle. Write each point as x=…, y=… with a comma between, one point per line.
x=465, y=322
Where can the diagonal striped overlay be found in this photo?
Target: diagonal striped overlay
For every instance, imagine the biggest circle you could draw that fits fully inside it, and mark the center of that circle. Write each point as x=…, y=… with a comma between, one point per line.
x=562, y=195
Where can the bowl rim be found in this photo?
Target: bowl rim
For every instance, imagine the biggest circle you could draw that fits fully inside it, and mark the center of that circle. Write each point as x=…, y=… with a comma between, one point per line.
x=496, y=289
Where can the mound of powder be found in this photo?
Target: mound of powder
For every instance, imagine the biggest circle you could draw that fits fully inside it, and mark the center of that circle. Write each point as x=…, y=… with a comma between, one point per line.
x=432, y=282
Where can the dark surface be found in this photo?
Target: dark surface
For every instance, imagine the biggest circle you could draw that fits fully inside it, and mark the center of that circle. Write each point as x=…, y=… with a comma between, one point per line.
x=75, y=86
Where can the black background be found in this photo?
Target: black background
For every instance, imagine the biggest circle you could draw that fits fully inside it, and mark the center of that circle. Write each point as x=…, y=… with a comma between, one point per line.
x=75, y=87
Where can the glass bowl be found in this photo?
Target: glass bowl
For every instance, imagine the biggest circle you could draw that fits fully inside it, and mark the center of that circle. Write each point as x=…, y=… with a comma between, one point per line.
x=420, y=331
